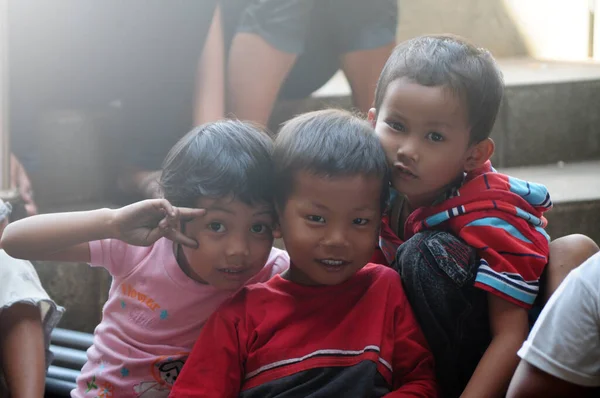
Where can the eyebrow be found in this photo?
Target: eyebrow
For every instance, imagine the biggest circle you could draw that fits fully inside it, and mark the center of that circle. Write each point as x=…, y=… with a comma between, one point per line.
x=318, y=205
x=264, y=212
x=394, y=114
x=398, y=115
x=439, y=124
x=225, y=210
x=362, y=208
x=219, y=208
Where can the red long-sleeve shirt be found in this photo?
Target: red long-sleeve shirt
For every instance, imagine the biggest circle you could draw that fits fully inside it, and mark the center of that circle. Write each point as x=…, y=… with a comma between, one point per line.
x=359, y=338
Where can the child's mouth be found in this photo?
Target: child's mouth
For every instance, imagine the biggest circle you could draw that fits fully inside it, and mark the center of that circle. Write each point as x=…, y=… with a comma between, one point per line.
x=333, y=265
x=233, y=273
x=404, y=171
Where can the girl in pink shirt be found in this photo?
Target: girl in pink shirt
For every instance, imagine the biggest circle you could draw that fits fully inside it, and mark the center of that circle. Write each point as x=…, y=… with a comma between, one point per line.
x=173, y=260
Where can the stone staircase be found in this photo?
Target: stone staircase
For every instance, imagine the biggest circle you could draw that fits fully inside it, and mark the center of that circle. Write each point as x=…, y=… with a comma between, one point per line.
x=548, y=131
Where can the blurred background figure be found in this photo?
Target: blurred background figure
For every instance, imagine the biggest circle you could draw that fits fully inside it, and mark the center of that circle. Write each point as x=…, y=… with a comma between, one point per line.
x=118, y=82
x=121, y=82
x=19, y=181
x=27, y=317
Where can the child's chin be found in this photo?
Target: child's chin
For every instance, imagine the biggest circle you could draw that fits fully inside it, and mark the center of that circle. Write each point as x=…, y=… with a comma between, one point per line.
x=229, y=285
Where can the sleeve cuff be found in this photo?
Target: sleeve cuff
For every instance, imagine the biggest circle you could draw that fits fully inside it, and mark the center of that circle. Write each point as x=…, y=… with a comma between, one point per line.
x=540, y=360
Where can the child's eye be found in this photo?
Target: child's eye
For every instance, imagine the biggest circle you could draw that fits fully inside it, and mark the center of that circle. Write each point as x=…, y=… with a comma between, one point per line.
x=259, y=228
x=216, y=227
x=435, y=137
x=360, y=221
x=396, y=126
x=314, y=218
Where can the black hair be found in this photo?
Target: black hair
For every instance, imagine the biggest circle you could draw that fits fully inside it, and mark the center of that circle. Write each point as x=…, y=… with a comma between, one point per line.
x=327, y=143
x=451, y=62
x=225, y=158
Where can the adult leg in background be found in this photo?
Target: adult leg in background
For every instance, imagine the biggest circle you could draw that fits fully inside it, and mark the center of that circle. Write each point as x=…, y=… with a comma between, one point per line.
x=365, y=35
x=353, y=35
x=269, y=37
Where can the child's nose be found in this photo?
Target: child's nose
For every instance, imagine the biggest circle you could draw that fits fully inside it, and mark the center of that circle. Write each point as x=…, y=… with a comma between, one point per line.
x=238, y=246
x=408, y=149
x=335, y=237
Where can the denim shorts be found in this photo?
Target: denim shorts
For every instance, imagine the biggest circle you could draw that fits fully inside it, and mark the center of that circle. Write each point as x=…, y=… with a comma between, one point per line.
x=319, y=31
x=346, y=25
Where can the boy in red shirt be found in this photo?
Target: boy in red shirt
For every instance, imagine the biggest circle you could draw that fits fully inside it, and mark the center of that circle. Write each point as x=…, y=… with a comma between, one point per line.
x=332, y=325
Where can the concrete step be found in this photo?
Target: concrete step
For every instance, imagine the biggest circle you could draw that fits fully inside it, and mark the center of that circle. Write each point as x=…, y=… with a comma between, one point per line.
x=575, y=191
x=548, y=113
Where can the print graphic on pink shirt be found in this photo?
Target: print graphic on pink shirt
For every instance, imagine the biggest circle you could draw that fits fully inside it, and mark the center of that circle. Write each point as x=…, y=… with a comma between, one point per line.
x=129, y=291
x=165, y=371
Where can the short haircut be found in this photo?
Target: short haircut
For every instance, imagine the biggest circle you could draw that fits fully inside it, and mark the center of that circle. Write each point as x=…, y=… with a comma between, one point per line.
x=469, y=72
x=328, y=143
x=225, y=158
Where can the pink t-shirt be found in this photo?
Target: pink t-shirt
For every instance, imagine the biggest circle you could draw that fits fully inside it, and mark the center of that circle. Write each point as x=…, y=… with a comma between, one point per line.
x=151, y=320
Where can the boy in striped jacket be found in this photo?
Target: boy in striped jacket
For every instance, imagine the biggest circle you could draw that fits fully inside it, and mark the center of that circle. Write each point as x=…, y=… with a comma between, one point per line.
x=468, y=241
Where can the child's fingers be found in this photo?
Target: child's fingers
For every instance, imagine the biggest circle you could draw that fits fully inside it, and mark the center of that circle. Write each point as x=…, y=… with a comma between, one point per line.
x=171, y=215
x=188, y=214
x=154, y=235
x=178, y=237
x=161, y=206
x=164, y=224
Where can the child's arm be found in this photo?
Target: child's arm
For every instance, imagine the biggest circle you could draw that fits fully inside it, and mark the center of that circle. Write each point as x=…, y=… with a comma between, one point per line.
x=509, y=327
x=22, y=347
x=214, y=368
x=65, y=236
x=413, y=364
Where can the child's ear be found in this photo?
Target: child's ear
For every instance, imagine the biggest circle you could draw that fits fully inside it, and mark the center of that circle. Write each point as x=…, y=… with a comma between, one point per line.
x=372, y=117
x=479, y=154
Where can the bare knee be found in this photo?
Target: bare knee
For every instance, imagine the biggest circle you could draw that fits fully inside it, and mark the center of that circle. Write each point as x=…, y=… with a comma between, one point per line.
x=571, y=251
x=566, y=254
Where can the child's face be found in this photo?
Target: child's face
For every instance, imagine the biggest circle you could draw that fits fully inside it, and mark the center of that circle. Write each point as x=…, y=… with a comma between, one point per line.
x=330, y=227
x=234, y=242
x=425, y=134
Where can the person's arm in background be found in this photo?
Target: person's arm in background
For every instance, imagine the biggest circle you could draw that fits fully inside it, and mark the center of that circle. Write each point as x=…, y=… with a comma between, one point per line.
x=509, y=326
x=23, y=353
x=561, y=357
x=210, y=75
x=19, y=180
x=531, y=382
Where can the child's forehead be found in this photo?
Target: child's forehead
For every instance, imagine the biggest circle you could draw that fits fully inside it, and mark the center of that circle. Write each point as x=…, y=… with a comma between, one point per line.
x=441, y=95
x=234, y=206
x=433, y=104
x=343, y=189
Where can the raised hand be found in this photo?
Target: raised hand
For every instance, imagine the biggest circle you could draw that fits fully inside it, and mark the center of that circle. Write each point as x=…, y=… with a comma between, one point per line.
x=143, y=223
